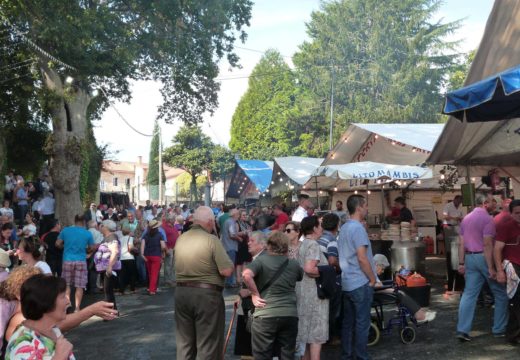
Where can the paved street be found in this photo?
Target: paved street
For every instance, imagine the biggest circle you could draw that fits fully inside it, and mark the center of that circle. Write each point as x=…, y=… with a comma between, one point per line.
x=146, y=331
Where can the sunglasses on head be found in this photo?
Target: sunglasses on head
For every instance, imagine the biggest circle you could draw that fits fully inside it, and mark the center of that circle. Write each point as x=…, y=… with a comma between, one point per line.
x=289, y=230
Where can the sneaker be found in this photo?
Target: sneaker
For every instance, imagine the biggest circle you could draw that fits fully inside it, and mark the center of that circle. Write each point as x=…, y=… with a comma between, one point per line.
x=429, y=316
x=499, y=335
x=463, y=337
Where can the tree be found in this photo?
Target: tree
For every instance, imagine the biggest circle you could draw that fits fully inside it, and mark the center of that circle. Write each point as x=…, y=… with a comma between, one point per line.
x=194, y=152
x=458, y=75
x=81, y=45
x=152, y=178
x=259, y=125
x=185, y=187
x=386, y=61
x=191, y=151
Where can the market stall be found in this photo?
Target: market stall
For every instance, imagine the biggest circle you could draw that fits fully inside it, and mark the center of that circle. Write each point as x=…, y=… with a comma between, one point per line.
x=250, y=180
x=400, y=242
x=291, y=173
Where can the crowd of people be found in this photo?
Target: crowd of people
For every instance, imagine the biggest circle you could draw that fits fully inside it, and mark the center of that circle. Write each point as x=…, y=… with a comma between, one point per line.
x=303, y=278
x=283, y=311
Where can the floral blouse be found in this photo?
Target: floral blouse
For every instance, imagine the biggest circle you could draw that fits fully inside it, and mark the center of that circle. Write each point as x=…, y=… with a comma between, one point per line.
x=27, y=344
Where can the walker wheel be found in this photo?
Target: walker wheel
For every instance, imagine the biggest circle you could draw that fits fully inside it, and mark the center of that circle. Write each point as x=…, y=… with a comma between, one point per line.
x=408, y=335
x=374, y=334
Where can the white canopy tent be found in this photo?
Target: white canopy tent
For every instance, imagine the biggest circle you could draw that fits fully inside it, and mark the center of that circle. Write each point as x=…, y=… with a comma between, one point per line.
x=337, y=177
x=291, y=172
x=482, y=146
x=400, y=144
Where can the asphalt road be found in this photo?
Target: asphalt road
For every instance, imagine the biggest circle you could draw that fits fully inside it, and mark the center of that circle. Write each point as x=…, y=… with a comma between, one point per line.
x=147, y=331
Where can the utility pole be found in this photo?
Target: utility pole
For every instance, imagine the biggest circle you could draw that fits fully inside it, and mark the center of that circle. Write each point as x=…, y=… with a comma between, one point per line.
x=331, y=105
x=160, y=167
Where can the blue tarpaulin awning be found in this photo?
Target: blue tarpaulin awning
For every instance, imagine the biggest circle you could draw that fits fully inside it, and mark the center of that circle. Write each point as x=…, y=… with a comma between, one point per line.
x=257, y=172
x=494, y=98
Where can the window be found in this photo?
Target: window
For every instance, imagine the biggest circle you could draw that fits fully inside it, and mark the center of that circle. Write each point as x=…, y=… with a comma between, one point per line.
x=115, y=182
x=102, y=184
x=127, y=182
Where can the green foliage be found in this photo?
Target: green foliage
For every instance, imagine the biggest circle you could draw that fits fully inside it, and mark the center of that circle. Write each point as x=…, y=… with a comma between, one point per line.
x=259, y=125
x=194, y=152
x=459, y=74
x=388, y=61
x=91, y=166
x=184, y=181
x=222, y=162
x=178, y=43
x=152, y=178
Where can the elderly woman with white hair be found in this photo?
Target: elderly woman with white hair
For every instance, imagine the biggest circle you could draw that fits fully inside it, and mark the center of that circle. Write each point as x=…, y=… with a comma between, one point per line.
x=420, y=314
x=107, y=259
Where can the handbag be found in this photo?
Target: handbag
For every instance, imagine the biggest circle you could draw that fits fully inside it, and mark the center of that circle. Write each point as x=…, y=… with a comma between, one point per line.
x=326, y=283
x=250, y=317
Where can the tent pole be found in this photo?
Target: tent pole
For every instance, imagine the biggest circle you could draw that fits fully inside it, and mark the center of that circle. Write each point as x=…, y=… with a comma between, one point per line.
x=468, y=181
x=317, y=193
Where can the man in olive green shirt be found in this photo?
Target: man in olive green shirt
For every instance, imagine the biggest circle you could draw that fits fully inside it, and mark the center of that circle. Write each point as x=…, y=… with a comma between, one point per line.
x=201, y=265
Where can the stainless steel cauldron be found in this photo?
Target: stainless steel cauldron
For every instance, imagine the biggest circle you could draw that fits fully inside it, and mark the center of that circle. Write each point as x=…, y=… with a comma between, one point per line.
x=409, y=254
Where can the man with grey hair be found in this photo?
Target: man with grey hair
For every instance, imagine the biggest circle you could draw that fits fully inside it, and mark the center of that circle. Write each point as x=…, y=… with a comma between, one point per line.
x=201, y=265
x=477, y=232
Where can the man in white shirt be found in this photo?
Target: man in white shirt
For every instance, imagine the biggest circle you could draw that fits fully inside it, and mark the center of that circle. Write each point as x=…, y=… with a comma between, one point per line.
x=301, y=211
x=452, y=212
x=46, y=210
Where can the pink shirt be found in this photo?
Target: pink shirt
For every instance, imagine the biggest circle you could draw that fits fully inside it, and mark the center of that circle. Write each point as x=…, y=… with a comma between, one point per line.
x=474, y=227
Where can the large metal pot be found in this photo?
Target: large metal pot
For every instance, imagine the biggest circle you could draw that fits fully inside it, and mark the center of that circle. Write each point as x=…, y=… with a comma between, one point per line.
x=454, y=250
x=409, y=254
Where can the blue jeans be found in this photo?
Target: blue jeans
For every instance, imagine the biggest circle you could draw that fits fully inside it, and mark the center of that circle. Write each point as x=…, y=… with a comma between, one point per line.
x=476, y=275
x=141, y=269
x=356, y=323
x=233, y=256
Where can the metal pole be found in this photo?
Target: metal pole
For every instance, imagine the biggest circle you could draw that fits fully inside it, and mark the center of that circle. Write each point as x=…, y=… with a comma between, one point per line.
x=331, y=106
x=160, y=168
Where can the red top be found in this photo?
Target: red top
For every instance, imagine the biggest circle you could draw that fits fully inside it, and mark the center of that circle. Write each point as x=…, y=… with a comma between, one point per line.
x=509, y=233
x=281, y=220
x=503, y=216
x=171, y=234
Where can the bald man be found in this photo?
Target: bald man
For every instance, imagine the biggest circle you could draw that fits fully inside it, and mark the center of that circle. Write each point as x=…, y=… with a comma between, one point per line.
x=201, y=265
x=230, y=237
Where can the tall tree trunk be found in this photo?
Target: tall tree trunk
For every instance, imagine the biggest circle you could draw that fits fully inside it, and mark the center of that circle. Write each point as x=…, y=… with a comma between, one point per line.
x=68, y=141
x=193, y=190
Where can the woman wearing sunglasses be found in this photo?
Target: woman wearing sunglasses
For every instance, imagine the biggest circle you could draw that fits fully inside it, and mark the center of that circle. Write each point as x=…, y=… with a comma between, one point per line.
x=292, y=231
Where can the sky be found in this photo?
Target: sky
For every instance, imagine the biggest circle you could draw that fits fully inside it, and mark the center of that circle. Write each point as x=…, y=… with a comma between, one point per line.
x=275, y=24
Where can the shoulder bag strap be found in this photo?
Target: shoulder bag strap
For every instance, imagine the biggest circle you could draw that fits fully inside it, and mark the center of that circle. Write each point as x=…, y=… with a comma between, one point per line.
x=275, y=276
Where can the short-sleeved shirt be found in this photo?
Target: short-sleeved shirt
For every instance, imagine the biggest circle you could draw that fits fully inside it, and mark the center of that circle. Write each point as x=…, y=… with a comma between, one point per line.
x=328, y=244
x=503, y=216
x=52, y=252
x=452, y=211
x=171, y=234
x=280, y=296
x=474, y=227
x=152, y=244
x=75, y=242
x=21, y=194
x=299, y=214
x=508, y=232
x=280, y=221
x=200, y=256
x=230, y=228
x=351, y=237
x=221, y=220
x=129, y=225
